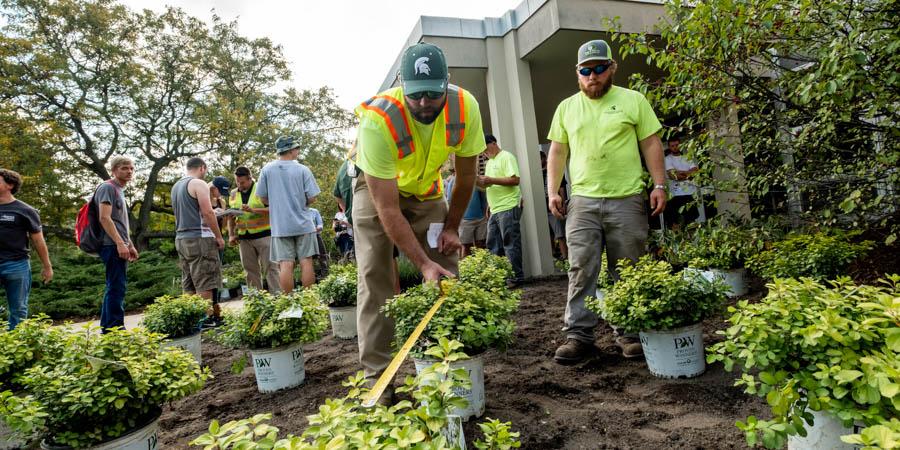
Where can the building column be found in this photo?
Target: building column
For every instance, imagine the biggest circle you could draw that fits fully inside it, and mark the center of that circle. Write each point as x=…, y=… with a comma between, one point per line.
x=731, y=191
x=513, y=122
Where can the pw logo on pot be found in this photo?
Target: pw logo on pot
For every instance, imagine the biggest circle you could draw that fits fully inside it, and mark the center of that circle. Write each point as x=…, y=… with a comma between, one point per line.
x=682, y=342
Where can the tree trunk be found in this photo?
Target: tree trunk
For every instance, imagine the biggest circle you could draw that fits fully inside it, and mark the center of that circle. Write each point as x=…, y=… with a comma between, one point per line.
x=141, y=226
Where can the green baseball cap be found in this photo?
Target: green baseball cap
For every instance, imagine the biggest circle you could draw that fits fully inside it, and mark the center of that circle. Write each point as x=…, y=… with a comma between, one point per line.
x=596, y=50
x=423, y=68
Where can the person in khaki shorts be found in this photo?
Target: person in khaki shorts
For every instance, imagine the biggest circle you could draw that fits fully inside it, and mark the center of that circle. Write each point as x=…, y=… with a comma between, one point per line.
x=197, y=235
x=252, y=233
x=289, y=188
x=405, y=136
x=603, y=131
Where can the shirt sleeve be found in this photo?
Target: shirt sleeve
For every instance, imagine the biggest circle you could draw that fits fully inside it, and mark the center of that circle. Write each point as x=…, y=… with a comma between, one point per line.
x=473, y=142
x=512, y=166
x=374, y=151
x=647, y=123
x=34, y=220
x=558, y=131
x=262, y=183
x=309, y=183
x=106, y=193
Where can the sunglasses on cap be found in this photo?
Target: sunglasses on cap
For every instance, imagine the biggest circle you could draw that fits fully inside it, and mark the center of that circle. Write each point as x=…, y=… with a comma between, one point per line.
x=433, y=95
x=598, y=69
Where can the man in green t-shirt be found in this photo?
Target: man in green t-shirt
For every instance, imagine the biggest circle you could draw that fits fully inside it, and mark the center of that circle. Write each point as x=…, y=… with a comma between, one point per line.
x=602, y=130
x=501, y=178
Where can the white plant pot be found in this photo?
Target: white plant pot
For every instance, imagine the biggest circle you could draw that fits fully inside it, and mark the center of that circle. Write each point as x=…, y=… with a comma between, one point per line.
x=453, y=432
x=224, y=294
x=190, y=343
x=278, y=368
x=144, y=438
x=9, y=439
x=475, y=396
x=734, y=278
x=677, y=353
x=824, y=434
x=601, y=297
x=245, y=289
x=343, y=321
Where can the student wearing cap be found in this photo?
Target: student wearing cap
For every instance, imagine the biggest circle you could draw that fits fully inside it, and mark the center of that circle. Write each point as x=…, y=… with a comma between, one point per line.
x=288, y=188
x=602, y=131
x=501, y=181
x=405, y=136
x=252, y=233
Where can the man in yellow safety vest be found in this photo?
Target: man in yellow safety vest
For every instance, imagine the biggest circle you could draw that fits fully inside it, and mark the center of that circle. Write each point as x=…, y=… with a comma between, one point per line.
x=252, y=233
x=405, y=135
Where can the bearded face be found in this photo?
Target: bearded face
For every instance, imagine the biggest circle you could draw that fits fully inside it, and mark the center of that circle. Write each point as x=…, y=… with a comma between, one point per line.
x=595, y=86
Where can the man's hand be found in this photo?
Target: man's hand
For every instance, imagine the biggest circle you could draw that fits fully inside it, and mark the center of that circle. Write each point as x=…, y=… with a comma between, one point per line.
x=482, y=181
x=246, y=207
x=232, y=240
x=123, y=250
x=132, y=253
x=433, y=271
x=47, y=274
x=556, y=206
x=657, y=201
x=448, y=242
x=220, y=243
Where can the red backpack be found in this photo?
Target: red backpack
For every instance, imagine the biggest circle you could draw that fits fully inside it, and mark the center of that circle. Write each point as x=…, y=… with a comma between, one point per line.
x=88, y=231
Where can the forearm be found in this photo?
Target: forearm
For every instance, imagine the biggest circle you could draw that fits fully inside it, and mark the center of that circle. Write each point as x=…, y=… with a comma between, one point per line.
x=40, y=246
x=651, y=148
x=466, y=173
x=556, y=165
x=110, y=228
x=503, y=181
x=209, y=217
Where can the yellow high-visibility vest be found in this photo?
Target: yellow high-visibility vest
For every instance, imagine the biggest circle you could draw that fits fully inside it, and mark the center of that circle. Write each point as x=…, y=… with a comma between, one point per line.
x=248, y=222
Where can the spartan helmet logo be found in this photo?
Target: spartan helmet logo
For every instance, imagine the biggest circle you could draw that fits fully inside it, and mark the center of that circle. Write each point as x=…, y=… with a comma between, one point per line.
x=421, y=66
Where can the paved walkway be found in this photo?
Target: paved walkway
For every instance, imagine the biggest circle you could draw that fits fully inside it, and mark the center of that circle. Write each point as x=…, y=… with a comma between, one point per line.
x=134, y=320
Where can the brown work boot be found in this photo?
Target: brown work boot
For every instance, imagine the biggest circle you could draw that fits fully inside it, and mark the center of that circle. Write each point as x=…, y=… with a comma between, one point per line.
x=573, y=352
x=630, y=346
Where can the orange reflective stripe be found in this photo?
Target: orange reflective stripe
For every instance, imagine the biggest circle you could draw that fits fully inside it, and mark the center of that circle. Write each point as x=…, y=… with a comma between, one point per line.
x=392, y=111
x=434, y=188
x=455, y=116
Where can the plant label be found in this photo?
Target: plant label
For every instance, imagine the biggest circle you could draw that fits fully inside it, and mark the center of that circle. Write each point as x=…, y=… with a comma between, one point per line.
x=295, y=312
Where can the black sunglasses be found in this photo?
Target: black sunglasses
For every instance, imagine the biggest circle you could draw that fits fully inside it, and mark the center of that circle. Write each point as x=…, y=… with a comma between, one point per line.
x=586, y=71
x=433, y=95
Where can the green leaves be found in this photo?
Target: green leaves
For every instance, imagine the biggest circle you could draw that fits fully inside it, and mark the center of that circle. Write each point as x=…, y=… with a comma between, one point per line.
x=648, y=296
x=826, y=348
x=339, y=287
x=176, y=317
x=258, y=324
x=820, y=255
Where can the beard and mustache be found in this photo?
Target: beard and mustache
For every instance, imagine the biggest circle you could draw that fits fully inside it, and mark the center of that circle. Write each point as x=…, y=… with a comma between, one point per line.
x=597, y=89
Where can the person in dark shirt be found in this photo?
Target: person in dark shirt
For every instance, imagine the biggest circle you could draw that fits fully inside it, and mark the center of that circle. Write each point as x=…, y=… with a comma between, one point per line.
x=18, y=221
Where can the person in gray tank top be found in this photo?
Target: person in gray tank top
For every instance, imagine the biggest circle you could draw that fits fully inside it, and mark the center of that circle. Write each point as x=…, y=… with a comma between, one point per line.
x=197, y=236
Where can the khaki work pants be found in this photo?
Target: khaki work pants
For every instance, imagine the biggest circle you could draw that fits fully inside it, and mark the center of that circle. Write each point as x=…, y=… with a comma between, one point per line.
x=618, y=224
x=374, y=250
x=255, y=259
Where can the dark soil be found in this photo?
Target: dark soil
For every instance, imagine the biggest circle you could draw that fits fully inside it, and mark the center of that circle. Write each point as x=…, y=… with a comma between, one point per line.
x=607, y=402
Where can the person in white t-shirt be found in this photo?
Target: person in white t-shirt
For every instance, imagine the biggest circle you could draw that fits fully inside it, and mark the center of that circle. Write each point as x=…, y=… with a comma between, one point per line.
x=680, y=209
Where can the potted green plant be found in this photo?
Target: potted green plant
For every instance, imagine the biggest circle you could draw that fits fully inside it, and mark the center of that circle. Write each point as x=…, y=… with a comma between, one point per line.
x=477, y=312
x=667, y=309
x=820, y=255
x=338, y=292
x=821, y=354
x=275, y=328
x=105, y=391
x=234, y=280
x=718, y=251
x=178, y=318
x=426, y=422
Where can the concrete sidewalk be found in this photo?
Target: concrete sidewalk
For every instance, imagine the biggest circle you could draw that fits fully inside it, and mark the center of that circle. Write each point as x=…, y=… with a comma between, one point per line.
x=134, y=320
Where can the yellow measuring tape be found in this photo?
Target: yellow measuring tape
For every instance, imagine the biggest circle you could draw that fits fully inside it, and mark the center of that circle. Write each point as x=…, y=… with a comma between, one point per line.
x=388, y=374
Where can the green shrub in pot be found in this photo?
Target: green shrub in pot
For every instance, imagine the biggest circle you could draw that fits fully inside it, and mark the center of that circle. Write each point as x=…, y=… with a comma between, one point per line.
x=814, y=346
x=106, y=384
x=33, y=342
x=270, y=321
x=176, y=317
x=820, y=255
x=345, y=423
x=482, y=268
x=649, y=296
x=233, y=276
x=338, y=289
x=478, y=316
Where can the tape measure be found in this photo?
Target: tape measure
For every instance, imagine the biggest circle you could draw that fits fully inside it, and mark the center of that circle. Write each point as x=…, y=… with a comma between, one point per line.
x=388, y=374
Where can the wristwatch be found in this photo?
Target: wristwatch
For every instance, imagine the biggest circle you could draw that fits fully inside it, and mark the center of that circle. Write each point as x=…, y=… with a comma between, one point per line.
x=659, y=186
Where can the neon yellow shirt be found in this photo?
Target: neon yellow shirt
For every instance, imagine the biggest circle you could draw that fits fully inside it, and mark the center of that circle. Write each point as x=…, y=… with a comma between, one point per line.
x=418, y=173
x=603, y=136
x=502, y=198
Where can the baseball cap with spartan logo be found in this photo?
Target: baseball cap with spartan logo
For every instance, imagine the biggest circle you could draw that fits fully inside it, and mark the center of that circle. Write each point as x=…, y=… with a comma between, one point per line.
x=423, y=68
x=596, y=50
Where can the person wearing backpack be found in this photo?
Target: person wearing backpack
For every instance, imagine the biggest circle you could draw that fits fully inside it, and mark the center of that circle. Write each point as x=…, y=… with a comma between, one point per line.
x=18, y=221
x=116, y=249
